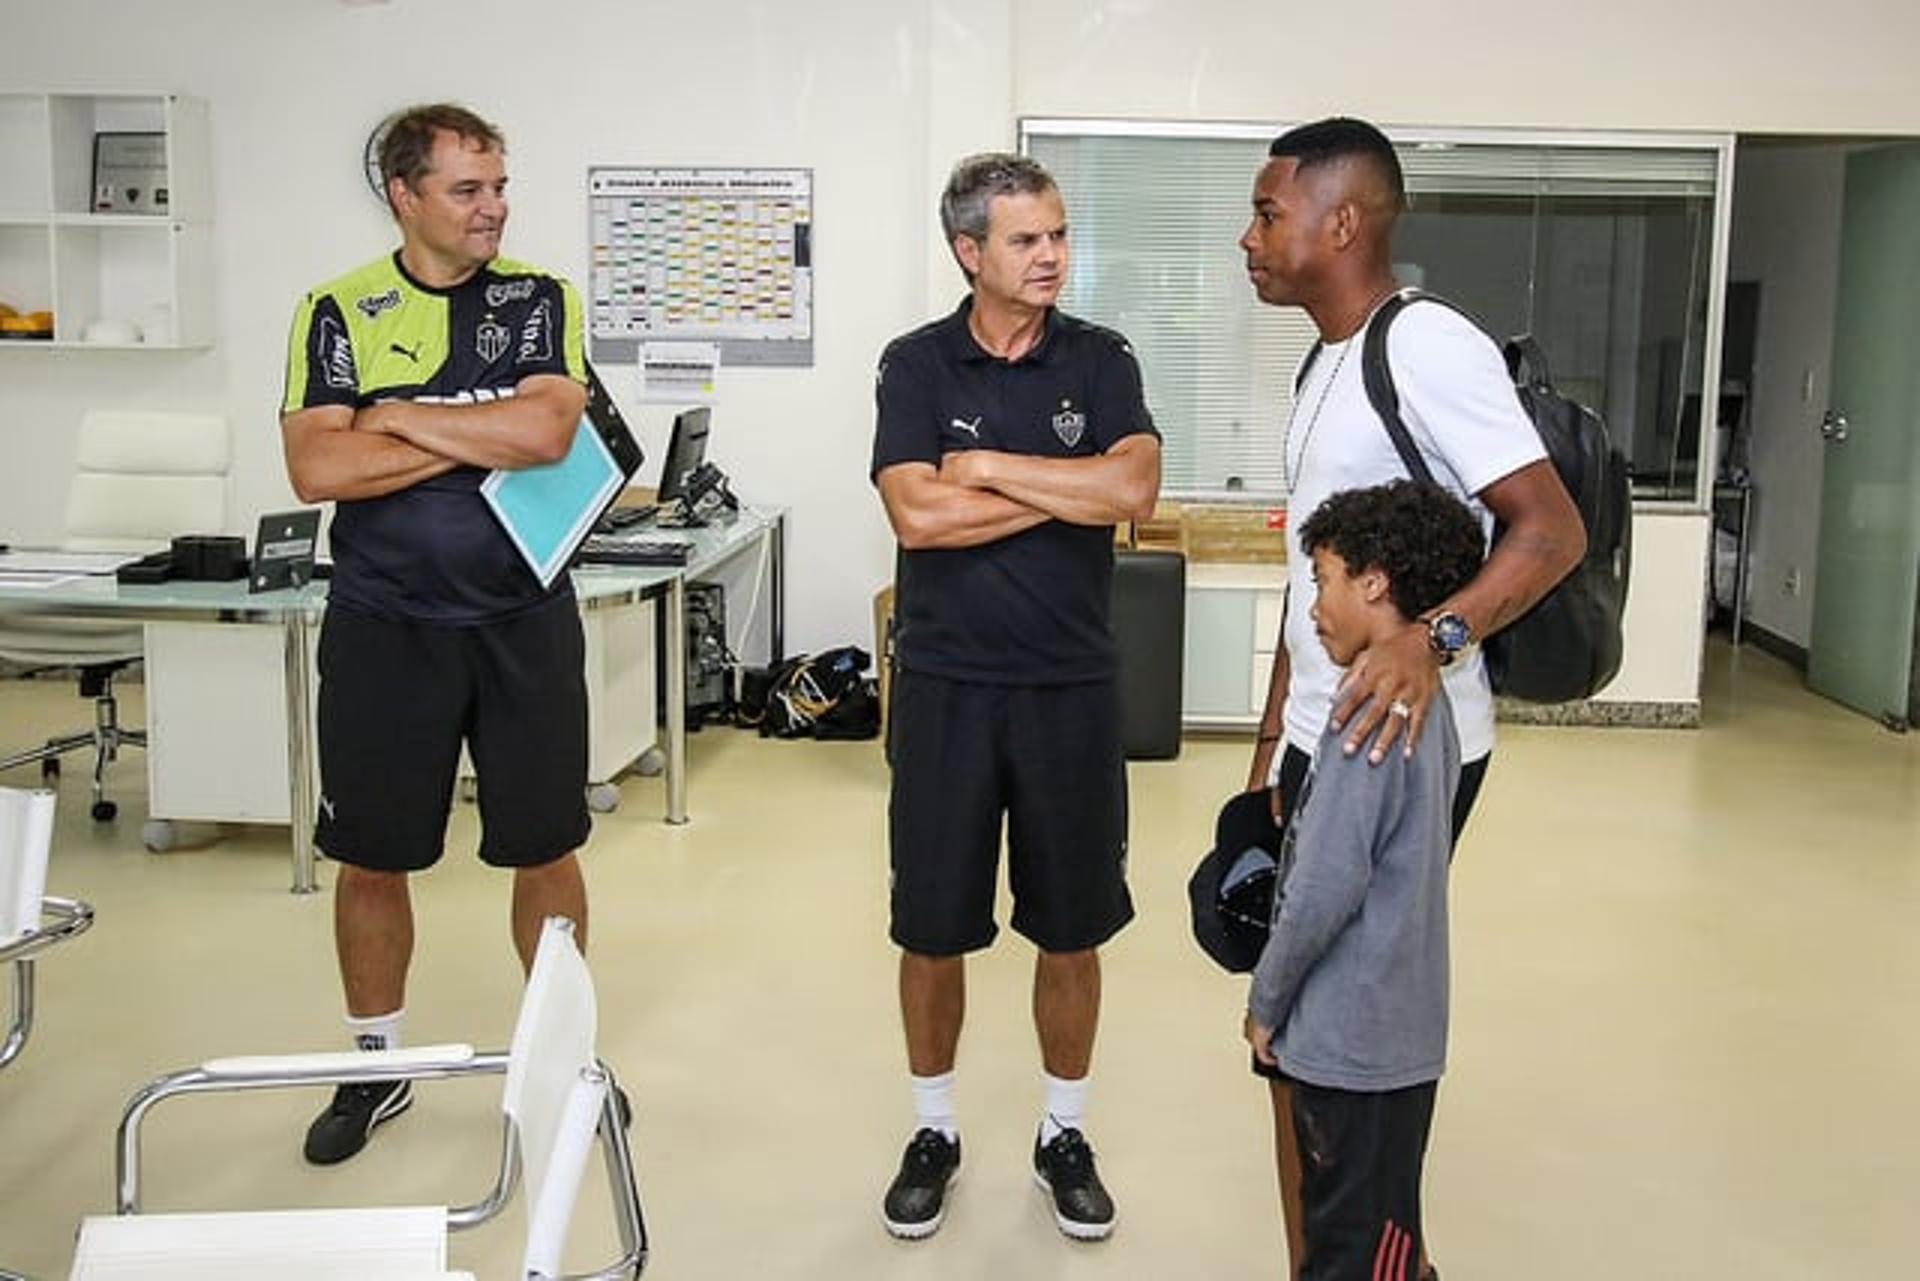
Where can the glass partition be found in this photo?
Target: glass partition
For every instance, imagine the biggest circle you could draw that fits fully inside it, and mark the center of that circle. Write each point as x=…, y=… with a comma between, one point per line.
x=1609, y=250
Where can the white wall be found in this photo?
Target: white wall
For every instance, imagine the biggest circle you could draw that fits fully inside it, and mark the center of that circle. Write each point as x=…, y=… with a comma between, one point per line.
x=1716, y=65
x=1786, y=235
x=1755, y=66
x=293, y=90
x=878, y=96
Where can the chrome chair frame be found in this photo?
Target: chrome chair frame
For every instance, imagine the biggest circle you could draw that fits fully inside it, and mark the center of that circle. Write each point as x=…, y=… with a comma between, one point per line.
x=104, y=740
x=71, y=918
x=210, y=1078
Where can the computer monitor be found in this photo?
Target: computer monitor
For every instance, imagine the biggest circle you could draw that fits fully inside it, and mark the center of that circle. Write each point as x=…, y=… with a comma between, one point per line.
x=686, y=450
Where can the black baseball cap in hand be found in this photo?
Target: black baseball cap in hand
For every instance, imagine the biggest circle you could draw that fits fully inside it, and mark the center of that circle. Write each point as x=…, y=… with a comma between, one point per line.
x=1231, y=891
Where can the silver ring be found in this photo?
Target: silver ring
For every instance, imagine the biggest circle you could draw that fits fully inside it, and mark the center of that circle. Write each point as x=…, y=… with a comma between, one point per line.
x=1399, y=707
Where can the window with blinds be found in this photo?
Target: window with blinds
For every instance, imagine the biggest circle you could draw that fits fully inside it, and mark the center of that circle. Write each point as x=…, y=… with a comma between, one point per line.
x=1604, y=249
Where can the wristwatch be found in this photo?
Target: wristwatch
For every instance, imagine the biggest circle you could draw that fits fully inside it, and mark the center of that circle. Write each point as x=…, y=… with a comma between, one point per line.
x=1449, y=635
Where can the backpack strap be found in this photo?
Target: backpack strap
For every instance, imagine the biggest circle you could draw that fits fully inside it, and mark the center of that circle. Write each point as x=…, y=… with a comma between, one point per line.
x=1521, y=352
x=1378, y=377
x=1306, y=366
x=1526, y=362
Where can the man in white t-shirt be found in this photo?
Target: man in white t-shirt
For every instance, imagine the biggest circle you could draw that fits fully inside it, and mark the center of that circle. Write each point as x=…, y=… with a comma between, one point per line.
x=1323, y=212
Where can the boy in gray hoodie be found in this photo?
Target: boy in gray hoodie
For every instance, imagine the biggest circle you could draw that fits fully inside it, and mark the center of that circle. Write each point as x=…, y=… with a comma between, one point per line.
x=1349, y=1000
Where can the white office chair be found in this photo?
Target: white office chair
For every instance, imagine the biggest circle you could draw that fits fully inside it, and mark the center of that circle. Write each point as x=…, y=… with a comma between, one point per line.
x=557, y=1098
x=30, y=922
x=140, y=478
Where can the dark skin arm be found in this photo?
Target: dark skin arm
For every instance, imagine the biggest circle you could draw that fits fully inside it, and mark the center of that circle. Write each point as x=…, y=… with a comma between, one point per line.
x=1543, y=539
x=1272, y=731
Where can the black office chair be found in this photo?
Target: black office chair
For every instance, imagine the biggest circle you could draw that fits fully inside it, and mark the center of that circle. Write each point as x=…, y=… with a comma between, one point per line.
x=107, y=736
x=1149, y=620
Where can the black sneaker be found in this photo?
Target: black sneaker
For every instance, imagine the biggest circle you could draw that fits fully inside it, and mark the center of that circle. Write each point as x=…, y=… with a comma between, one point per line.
x=342, y=1129
x=917, y=1199
x=1064, y=1169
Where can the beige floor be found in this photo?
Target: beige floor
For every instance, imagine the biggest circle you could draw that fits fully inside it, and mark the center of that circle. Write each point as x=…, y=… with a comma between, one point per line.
x=1684, y=1046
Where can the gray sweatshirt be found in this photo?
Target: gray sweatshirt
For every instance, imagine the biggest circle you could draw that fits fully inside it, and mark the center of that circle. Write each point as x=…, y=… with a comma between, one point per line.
x=1354, y=975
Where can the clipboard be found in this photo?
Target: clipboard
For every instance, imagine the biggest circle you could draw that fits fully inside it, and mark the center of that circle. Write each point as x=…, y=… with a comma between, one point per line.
x=548, y=510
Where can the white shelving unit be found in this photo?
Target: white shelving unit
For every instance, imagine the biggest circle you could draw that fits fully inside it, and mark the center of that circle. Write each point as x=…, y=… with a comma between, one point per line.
x=58, y=254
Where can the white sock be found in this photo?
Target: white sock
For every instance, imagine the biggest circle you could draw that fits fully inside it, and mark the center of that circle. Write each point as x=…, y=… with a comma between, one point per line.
x=379, y=1032
x=1066, y=1105
x=933, y=1104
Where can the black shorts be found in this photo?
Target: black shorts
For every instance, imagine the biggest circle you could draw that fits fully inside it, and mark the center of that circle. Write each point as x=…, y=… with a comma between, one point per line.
x=1360, y=1160
x=1047, y=757
x=1293, y=772
x=397, y=700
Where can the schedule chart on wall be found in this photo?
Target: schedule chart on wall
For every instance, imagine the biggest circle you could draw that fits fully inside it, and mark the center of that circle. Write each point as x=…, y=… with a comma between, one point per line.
x=702, y=255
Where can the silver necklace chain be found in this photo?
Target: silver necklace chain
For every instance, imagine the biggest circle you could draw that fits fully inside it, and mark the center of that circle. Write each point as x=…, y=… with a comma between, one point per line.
x=1290, y=466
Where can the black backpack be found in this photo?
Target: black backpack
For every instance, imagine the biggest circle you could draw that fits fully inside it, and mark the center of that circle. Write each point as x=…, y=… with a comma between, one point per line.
x=1568, y=645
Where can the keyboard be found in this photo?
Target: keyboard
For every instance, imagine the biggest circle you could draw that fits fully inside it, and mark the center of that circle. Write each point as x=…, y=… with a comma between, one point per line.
x=623, y=549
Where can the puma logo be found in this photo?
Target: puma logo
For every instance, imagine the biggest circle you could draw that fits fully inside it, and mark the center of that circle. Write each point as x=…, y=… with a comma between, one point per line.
x=971, y=428
x=413, y=355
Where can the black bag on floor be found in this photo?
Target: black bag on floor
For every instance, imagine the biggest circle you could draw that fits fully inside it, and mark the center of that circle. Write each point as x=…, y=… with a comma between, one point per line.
x=826, y=695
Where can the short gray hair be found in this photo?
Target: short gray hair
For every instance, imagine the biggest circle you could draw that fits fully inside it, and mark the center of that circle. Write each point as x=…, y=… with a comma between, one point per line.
x=974, y=183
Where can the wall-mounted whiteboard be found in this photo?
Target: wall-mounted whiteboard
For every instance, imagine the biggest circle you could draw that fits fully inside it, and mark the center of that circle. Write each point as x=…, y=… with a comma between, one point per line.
x=702, y=255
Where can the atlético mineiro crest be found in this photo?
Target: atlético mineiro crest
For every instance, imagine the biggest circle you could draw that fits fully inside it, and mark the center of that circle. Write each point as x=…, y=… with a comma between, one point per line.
x=491, y=340
x=1069, y=424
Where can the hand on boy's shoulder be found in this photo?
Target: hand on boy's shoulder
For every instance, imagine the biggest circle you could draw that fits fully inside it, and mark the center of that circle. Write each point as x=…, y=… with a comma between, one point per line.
x=1385, y=694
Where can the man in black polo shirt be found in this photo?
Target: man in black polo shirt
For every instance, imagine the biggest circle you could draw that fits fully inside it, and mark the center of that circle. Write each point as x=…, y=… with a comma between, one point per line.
x=1010, y=439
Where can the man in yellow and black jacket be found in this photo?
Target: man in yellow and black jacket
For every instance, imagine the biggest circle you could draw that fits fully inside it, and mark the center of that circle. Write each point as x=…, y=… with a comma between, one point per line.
x=408, y=380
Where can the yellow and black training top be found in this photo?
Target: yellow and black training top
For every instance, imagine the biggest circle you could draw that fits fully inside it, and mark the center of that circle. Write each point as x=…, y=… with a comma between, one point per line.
x=433, y=551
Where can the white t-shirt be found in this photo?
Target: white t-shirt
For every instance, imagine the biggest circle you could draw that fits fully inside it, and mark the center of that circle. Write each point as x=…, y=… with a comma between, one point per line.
x=1459, y=404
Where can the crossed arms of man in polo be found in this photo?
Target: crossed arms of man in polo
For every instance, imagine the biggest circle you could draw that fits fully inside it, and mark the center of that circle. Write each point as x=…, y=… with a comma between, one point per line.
x=335, y=452
x=979, y=496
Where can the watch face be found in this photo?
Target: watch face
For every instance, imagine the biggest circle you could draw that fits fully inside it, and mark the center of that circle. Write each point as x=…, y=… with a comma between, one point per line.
x=1449, y=633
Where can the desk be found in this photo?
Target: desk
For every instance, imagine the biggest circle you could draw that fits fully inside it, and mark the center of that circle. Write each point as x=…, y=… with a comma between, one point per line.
x=294, y=613
x=713, y=546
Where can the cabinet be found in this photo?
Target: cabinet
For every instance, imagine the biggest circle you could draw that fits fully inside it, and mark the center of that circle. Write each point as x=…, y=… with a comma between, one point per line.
x=1233, y=622
x=217, y=721
x=144, y=270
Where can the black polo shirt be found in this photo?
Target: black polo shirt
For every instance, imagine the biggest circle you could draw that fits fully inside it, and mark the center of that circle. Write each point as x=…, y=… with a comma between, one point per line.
x=1031, y=608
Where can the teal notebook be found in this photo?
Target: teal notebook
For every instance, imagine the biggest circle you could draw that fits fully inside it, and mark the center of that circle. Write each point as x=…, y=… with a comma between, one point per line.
x=548, y=509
